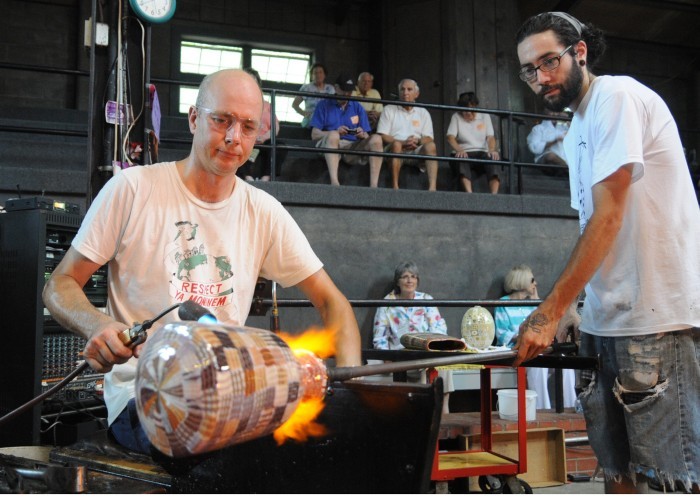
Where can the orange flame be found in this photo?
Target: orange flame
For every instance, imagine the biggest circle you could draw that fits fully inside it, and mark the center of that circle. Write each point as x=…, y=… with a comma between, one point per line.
x=302, y=425
x=319, y=341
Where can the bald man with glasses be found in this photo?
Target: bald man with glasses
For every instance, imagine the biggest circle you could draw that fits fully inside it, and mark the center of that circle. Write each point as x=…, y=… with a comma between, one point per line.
x=188, y=230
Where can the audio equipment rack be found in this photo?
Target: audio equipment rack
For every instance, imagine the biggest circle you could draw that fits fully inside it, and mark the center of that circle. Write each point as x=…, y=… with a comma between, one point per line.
x=37, y=352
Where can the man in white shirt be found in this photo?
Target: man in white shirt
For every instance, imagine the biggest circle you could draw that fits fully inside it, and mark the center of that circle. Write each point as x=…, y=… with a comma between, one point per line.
x=637, y=257
x=188, y=230
x=546, y=140
x=408, y=130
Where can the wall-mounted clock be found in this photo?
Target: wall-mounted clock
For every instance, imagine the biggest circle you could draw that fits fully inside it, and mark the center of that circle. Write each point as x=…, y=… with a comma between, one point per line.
x=153, y=11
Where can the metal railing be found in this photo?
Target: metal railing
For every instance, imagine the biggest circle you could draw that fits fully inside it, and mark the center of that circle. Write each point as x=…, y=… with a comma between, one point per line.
x=509, y=118
x=262, y=304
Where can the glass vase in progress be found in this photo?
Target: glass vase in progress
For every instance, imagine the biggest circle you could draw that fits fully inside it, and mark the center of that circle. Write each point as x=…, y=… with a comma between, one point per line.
x=203, y=387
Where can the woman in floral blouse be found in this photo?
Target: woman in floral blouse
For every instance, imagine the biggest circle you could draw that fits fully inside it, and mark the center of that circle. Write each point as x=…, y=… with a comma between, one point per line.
x=391, y=323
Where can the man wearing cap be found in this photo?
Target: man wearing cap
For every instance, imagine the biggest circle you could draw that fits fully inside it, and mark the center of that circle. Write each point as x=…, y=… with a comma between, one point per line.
x=408, y=130
x=342, y=124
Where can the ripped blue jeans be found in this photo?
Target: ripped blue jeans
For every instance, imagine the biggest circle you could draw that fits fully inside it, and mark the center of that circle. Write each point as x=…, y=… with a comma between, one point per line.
x=642, y=407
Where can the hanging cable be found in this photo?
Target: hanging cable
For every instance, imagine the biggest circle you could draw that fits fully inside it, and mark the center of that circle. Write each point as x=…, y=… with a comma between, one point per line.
x=143, y=95
x=118, y=97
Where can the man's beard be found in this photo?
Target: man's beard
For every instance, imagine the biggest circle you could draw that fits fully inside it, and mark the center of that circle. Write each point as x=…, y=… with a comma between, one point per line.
x=568, y=91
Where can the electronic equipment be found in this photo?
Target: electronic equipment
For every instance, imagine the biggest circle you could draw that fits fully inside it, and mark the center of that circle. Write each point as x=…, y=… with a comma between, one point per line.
x=41, y=203
x=37, y=352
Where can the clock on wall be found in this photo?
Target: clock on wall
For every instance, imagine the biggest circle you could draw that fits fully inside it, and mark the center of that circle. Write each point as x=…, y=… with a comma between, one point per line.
x=153, y=11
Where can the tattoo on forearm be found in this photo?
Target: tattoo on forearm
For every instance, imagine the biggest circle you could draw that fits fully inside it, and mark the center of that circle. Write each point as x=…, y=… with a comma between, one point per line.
x=535, y=322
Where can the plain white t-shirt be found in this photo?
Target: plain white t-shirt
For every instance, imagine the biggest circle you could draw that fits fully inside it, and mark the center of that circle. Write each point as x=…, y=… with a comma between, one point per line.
x=401, y=123
x=471, y=136
x=650, y=280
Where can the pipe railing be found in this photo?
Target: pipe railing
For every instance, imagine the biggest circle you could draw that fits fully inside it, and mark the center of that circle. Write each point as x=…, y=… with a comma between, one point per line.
x=273, y=146
x=409, y=302
x=511, y=118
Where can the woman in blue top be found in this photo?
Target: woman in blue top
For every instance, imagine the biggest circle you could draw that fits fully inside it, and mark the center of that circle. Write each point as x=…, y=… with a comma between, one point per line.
x=520, y=284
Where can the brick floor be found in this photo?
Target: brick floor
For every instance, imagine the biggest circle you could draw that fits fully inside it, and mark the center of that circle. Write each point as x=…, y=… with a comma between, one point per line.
x=579, y=456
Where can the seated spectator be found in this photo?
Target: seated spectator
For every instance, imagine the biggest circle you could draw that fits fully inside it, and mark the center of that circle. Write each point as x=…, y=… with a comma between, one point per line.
x=318, y=84
x=520, y=284
x=391, y=323
x=470, y=134
x=546, y=140
x=260, y=161
x=364, y=89
x=408, y=130
x=342, y=124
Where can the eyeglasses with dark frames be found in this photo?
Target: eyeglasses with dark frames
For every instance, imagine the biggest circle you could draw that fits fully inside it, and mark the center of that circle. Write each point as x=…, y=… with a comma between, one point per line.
x=223, y=122
x=529, y=75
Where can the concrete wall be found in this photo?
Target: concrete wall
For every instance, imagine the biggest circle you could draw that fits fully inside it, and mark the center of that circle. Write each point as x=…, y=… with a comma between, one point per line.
x=463, y=244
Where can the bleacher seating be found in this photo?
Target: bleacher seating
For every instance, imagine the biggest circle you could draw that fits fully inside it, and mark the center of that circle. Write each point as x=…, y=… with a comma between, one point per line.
x=39, y=161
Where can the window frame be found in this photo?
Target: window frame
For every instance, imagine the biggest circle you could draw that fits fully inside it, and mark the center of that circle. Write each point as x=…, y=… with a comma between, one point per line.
x=247, y=46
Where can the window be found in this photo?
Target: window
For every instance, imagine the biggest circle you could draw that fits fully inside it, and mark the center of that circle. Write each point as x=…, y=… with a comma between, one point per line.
x=202, y=58
x=284, y=67
x=279, y=69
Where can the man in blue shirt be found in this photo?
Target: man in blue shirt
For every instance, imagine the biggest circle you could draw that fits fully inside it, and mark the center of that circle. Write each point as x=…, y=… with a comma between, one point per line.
x=341, y=124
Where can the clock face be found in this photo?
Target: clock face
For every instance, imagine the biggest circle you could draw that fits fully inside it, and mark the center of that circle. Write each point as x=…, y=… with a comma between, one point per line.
x=154, y=11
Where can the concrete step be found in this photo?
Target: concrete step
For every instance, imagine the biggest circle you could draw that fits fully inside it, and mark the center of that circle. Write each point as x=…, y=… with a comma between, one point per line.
x=545, y=182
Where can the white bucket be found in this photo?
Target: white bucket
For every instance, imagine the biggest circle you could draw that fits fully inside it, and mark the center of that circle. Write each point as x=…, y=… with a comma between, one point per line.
x=507, y=404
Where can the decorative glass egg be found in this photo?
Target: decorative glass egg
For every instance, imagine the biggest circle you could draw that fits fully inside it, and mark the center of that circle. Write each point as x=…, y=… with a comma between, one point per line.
x=478, y=327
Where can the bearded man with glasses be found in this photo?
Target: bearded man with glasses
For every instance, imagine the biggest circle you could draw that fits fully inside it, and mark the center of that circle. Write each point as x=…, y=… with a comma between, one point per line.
x=188, y=230
x=637, y=257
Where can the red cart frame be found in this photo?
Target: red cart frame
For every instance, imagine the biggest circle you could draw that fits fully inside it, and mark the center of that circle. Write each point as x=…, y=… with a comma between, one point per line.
x=484, y=461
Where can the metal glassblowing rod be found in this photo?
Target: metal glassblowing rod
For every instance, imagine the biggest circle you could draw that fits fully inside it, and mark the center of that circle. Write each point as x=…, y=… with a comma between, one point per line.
x=348, y=372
